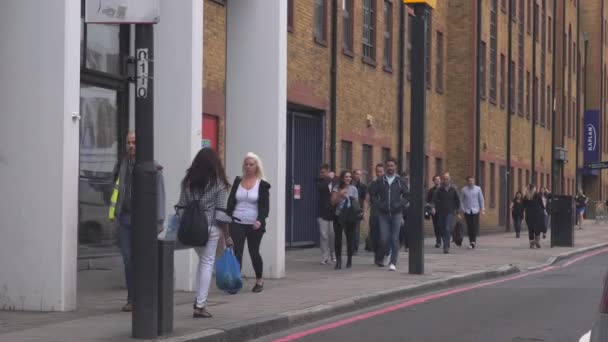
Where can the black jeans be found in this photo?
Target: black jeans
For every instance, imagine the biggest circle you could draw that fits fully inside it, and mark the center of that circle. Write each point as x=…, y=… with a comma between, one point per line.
x=517, y=223
x=472, y=226
x=437, y=229
x=241, y=232
x=349, y=231
x=533, y=230
x=403, y=233
x=374, y=227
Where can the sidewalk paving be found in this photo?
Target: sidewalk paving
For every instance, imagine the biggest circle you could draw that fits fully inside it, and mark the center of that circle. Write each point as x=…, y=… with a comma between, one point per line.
x=310, y=291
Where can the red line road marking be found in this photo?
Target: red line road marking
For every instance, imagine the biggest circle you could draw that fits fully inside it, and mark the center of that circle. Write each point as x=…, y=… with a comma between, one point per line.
x=419, y=300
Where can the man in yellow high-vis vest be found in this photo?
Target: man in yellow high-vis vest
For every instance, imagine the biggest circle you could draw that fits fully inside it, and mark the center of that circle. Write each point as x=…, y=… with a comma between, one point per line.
x=121, y=206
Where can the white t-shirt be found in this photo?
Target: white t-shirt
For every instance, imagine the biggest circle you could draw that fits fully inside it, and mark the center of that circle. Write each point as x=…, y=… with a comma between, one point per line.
x=246, y=208
x=390, y=179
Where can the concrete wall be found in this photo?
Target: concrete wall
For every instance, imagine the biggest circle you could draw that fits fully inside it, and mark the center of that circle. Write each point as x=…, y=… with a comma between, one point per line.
x=256, y=93
x=39, y=91
x=178, y=104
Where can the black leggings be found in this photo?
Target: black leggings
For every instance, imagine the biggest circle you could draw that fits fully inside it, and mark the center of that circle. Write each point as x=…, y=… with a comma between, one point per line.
x=241, y=232
x=533, y=230
x=349, y=231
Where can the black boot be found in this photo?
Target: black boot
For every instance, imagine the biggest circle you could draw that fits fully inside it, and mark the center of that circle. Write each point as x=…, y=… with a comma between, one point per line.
x=338, y=263
x=349, y=262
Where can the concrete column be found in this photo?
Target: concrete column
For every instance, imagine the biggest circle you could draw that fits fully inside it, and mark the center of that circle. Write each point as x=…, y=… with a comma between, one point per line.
x=39, y=92
x=256, y=96
x=178, y=44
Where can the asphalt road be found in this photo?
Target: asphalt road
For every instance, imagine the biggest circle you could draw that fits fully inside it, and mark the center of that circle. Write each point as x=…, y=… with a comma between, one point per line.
x=558, y=305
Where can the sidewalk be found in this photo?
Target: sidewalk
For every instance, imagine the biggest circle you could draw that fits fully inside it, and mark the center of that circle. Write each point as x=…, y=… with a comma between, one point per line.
x=310, y=291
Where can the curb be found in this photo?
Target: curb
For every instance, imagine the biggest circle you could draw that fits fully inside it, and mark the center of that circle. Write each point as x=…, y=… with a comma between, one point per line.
x=267, y=325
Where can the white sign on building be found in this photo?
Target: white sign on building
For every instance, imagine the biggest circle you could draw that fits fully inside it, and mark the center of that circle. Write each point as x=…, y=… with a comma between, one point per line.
x=122, y=11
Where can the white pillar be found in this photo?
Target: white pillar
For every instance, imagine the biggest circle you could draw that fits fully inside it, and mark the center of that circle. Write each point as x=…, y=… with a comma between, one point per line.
x=178, y=100
x=39, y=91
x=256, y=99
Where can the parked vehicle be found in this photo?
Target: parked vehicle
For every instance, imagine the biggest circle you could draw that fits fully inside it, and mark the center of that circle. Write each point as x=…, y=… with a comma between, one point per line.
x=599, y=332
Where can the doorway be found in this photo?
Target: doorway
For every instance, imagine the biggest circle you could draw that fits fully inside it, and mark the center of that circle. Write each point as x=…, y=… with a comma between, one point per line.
x=304, y=156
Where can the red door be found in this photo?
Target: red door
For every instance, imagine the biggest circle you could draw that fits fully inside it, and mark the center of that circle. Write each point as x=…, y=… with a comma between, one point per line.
x=210, y=127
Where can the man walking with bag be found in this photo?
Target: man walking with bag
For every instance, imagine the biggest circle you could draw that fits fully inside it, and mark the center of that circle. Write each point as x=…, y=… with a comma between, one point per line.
x=325, y=183
x=472, y=204
x=446, y=204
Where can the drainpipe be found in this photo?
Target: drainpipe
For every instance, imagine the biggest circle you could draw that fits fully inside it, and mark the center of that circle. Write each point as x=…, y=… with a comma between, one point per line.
x=333, y=83
x=578, y=100
x=553, y=114
x=510, y=87
x=478, y=98
x=401, y=91
x=534, y=99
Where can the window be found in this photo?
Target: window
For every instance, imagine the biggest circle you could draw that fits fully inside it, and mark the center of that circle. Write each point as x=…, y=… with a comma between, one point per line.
x=321, y=21
x=502, y=80
x=519, y=180
x=347, y=26
x=574, y=58
x=527, y=176
x=528, y=104
x=512, y=86
x=429, y=44
x=492, y=185
x=407, y=159
x=530, y=16
x=520, y=90
x=542, y=179
x=347, y=155
x=386, y=153
x=290, y=15
x=549, y=106
x=367, y=163
x=493, y=49
x=388, y=35
x=513, y=10
x=482, y=176
x=482, y=70
x=369, y=30
x=438, y=166
x=535, y=99
x=503, y=5
x=410, y=29
x=439, y=68
x=426, y=172
x=520, y=62
x=550, y=39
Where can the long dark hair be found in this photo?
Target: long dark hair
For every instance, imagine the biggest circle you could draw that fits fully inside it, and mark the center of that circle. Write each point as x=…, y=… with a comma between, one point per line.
x=206, y=169
x=521, y=195
x=343, y=174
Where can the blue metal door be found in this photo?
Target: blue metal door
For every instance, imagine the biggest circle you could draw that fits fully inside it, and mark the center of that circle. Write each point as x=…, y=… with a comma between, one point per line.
x=304, y=156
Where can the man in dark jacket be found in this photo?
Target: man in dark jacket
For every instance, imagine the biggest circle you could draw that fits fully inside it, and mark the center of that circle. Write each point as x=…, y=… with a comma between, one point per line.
x=446, y=204
x=374, y=221
x=390, y=197
x=362, y=191
x=325, y=184
x=429, y=201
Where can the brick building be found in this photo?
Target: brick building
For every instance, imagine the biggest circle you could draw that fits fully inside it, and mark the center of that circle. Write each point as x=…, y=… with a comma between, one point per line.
x=538, y=67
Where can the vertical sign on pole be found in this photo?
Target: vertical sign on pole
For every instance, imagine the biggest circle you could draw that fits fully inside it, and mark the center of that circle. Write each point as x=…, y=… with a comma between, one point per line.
x=417, y=135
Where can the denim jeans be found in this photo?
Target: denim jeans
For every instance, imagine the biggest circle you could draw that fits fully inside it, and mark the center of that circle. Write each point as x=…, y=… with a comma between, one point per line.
x=390, y=226
x=376, y=239
x=125, y=233
x=446, y=222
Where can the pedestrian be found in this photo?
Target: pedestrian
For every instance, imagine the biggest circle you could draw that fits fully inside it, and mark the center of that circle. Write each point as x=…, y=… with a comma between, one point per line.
x=544, y=195
x=121, y=207
x=405, y=178
x=535, y=214
x=446, y=204
x=581, y=205
x=374, y=220
x=362, y=191
x=389, y=199
x=517, y=212
x=206, y=182
x=429, y=201
x=249, y=202
x=344, y=196
x=472, y=204
x=325, y=185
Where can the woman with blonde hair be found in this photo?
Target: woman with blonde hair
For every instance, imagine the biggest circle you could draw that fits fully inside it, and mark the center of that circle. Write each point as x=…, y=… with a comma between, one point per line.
x=249, y=204
x=535, y=215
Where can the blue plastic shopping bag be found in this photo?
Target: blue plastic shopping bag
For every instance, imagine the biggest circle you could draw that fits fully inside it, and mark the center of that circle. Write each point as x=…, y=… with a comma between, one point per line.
x=228, y=273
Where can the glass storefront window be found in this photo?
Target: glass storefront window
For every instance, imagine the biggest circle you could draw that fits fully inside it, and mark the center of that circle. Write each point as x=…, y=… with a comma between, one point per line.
x=98, y=157
x=103, y=48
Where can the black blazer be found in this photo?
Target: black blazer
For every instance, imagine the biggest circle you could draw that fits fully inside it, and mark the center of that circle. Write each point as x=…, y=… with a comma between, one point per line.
x=263, y=200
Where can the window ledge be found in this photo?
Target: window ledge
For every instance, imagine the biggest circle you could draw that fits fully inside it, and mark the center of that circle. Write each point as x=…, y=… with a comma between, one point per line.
x=290, y=29
x=348, y=52
x=388, y=69
x=220, y=2
x=493, y=101
x=321, y=42
x=368, y=61
x=439, y=90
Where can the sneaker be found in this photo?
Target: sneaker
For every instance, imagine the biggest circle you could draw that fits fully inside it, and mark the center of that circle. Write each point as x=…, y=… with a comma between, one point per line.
x=323, y=262
x=127, y=307
x=446, y=251
x=437, y=245
x=392, y=268
x=333, y=257
x=258, y=288
x=472, y=245
x=379, y=263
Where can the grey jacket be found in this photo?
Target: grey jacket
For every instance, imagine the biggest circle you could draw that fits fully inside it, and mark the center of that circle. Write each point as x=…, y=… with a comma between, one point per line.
x=160, y=191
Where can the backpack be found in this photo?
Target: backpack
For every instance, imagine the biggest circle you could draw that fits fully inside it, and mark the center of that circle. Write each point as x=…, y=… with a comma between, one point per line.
x=458, y=233
x=351, y=214
x=194, y=225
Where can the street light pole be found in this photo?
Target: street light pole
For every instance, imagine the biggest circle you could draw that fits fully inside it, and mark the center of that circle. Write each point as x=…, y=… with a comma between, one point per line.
x=417, y=134
x=144, y=239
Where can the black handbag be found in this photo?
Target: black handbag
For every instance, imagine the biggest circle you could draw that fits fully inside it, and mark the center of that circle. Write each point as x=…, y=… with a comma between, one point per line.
x=194, y=225
x=352, y=214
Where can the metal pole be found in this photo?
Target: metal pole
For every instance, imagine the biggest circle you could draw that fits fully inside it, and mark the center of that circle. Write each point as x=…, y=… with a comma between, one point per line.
x=510, y=86
x=144, y=239
x=333, y=84
x=400, y=91
x=533, y=95
x=477, y=167
x=417, y=138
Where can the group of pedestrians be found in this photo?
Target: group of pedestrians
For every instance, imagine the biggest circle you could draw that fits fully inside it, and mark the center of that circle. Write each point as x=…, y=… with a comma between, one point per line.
x=235, y=212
